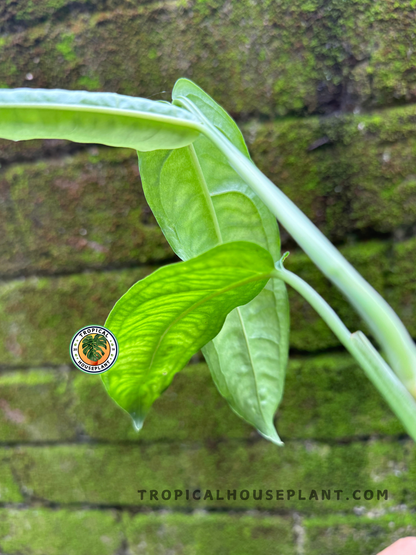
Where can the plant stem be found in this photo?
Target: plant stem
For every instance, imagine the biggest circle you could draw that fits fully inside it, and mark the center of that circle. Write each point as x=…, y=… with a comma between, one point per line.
x=379, y=316
x=378, y=371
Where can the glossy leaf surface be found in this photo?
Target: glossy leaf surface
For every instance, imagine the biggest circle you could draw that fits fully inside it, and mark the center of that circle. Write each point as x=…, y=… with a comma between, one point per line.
x=199, y=201
x=167, y=317
x=87, y=117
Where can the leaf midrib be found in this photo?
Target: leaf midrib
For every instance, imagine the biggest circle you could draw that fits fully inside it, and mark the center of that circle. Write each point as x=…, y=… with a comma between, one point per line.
x=219, y=235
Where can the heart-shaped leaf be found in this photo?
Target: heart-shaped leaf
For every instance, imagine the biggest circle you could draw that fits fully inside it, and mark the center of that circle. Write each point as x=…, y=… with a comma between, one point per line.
x=167, y=317
x=200, y=201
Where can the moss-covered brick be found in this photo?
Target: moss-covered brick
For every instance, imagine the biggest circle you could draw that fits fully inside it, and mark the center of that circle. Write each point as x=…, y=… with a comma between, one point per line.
x=36, y=406
x=88, y=210
x=27, y=12
x=205, y=534
x=75, y=212
x=34, y=307
x=350, y=174
x=41, y=315
x=269, y=57
x=352, y=535
x=386, y=266
x=39, y=531
x=9, y=488
x=190, y=409
x=326, y=397
x=113, y=474
x=23, y=151
x=308, y=330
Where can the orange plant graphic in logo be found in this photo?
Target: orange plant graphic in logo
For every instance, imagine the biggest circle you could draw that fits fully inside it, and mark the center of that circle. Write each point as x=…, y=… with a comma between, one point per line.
x=94, y=349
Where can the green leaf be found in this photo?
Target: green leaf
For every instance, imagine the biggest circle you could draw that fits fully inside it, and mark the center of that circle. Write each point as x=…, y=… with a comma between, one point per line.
x=199, y=201
x=167, y=317
x=86, y=117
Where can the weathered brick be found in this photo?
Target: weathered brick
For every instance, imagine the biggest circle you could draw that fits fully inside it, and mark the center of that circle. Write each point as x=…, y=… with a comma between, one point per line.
x=269, y=58
x=35, y=406
x=359, y=181
x=33, y=307
x=191, y=409
x=205, y=533
x=43, y=531
x=113, y=474
x=9, y=488
x=41, y=315
x=83, y=211
x=352, y=535
x=88, y=210
x=329, y=396
x=326, y=397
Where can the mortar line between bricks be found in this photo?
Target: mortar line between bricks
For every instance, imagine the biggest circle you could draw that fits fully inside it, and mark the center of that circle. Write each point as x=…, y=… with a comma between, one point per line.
x=47, y=153
x=35, y=503
x=295, y=355
x=388, y=241
x=211, y=443
x=15, y=27
x=64, y=15
x=151, y=264
x=299, y=533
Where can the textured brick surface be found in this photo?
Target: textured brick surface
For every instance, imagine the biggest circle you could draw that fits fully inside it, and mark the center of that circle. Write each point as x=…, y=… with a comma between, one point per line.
x=83, y=211
x=206, y=534
x=87, y=210
x=356, y=536
x=266, y=57
x=34, y=307
x=326, y=397
x=70, y=462
x=112, y=474
x=41, y=531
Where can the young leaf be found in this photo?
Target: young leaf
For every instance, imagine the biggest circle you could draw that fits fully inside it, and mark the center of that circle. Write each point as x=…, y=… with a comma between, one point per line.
x=199, y=201
x=168, y=316
x=87, y=117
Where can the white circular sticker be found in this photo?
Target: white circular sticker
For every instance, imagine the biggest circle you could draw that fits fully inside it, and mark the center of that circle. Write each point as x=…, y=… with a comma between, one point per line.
x=94, y=349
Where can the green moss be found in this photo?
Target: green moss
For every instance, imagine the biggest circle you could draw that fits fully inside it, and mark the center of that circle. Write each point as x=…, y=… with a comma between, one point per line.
x=317, y=56
x=353, y=180
x=208, y=533
x=39, y=531
x=83, y=211
x=349, y=535
x=328, y=396
x=34, y=406
x=89, y=83
x=66, y=47
x=9, y=488
x=113, y=474
x=191, y=409
x=42, y=314
x=34, y=307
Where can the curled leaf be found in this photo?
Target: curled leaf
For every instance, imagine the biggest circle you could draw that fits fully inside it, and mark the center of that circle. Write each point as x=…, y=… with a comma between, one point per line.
x=94, y=117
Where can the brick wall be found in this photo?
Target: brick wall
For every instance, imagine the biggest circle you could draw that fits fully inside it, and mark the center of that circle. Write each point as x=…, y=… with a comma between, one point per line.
x=324, y=94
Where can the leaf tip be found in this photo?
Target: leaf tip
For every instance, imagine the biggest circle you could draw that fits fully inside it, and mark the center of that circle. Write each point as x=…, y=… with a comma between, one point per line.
x=272, y=436
x=138, y=420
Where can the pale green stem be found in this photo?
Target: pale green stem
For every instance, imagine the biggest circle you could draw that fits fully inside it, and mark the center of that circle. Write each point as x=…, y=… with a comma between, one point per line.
x=379, y=316
x=378, y=371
